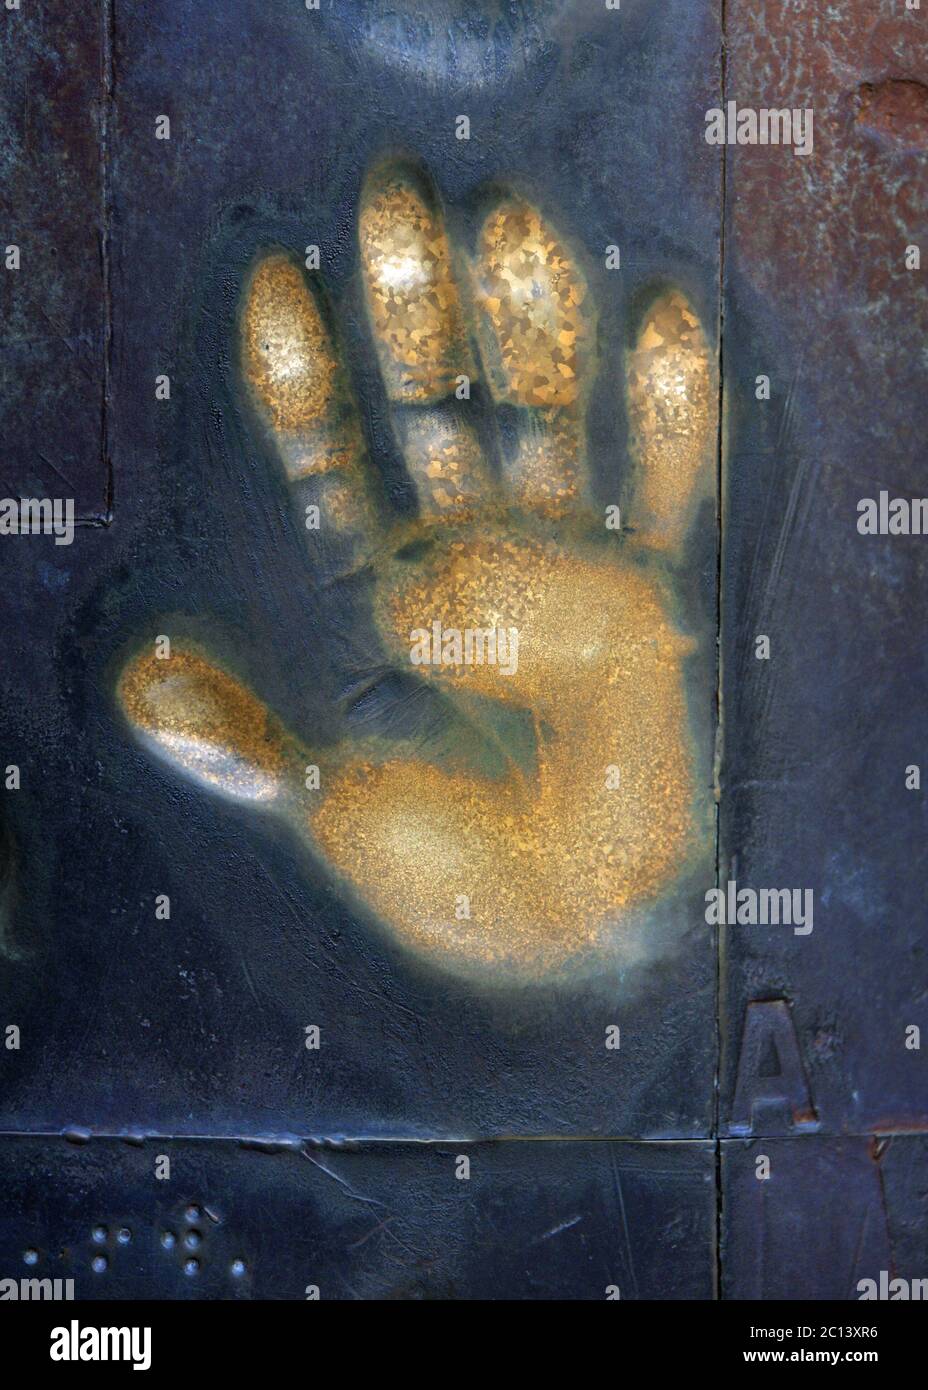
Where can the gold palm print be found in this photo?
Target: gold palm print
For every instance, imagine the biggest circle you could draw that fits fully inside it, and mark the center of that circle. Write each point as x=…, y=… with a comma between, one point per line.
x=532, y=866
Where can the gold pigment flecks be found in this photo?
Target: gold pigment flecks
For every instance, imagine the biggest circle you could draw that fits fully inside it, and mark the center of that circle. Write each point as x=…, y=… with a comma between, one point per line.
x=544, y=474
x=549, y=865
x=290, y=366
x=344, y=503
x=552, y=861
x=412, y=297
x=205, y=722
x=673, y=414
x=534, y=299
x=445, y=462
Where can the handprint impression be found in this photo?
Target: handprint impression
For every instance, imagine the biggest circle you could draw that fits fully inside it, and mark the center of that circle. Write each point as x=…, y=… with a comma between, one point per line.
x=552, y=855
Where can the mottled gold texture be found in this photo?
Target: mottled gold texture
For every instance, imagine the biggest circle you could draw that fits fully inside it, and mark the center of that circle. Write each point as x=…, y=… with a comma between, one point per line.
x=673, y=415
x=550, y=865
x=535, y=301
x=570, y=795
x=412, y=297
x=290, y=366
x=287, y=356
x=545, y=473
x=204, y=721
x=536, y=331
x=445, y=461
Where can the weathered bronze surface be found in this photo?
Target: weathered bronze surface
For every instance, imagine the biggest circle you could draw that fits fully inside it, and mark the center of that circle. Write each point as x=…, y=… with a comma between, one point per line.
x=551, y=860
x=417, y=326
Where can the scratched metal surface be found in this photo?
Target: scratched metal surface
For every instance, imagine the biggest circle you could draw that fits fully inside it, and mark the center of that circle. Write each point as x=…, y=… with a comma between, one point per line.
x=194, y=1026
x=532, y=1221
x=831, y=1214
x=818, y=738
x=52, y=310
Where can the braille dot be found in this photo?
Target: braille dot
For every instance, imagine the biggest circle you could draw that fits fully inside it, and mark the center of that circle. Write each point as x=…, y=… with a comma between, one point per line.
x=238, y=1268
x=168, y=1240
x=192, y=1213
x=99, y=1234
x=191, y=1266
x=98, y=1264
x=31, y=1257
x=192, y=1239
x=124, y=1235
